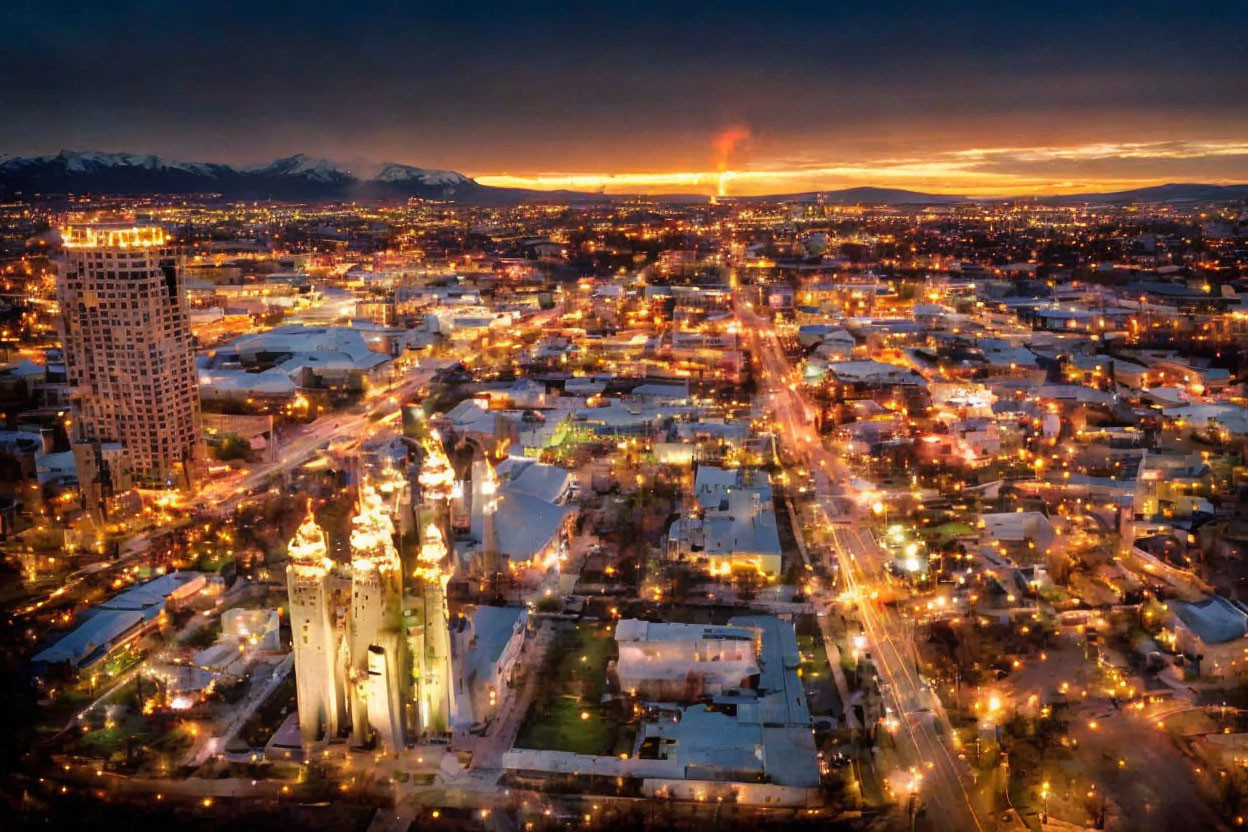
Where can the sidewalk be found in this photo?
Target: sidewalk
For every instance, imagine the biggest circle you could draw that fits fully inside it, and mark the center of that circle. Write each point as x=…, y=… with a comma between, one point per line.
x=829, y=642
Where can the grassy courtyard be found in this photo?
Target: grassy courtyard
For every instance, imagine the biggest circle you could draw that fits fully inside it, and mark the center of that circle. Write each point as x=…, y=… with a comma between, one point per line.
x=568, y=714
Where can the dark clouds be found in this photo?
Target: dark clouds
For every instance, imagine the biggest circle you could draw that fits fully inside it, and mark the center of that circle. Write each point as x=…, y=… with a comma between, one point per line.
x=612, y=86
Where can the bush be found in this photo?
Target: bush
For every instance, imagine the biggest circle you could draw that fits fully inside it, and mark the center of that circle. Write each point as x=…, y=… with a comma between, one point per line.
x=232, y=447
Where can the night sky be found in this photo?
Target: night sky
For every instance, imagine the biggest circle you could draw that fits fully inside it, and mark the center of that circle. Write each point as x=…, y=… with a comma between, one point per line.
x=961, y=97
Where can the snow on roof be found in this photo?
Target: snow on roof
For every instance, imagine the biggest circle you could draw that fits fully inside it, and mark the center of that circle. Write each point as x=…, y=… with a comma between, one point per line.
x=25, y=367
x=818, y=329
x=1233, y=417
x=18, y=441
x=1017, y=525
x=748, y=527
x=584, y=386
x=492, y=629
x=619, y=416
x=1075, y=392
x=870, y=371
x=523, y=524
x=634, y=629
x=326, y=346
x=526, y=385
x=770, y=734
x=732, y=429
x=1214, y=620
x=271, y=382
x=470, y=417
x=152, y=593
x=706, y=739
x=662, y=392
x=788, y=744
x=537, y=479
x=49, y=467
x=711, y=482
x=93, y=634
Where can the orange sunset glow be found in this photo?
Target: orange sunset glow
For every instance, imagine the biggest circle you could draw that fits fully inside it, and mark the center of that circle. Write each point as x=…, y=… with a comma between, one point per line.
x=984, y=172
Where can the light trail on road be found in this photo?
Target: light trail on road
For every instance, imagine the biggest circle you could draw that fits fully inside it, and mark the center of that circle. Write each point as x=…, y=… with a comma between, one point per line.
x=944, y=787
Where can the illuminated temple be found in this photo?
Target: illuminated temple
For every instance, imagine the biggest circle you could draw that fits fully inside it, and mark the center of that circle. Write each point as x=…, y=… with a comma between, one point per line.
x=431, y=642
x=372, y=646
x=319, y=675
x=376, y=649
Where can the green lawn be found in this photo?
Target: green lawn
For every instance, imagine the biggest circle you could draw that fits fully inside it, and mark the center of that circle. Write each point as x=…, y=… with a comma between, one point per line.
x=556, y=723
x=814, y=656
x=567, y=714
x=69, y=701
x=816, y=673
x=942, y=534
x=104, y=742
x=117, y=664
x=213, y=561
x=132, y=732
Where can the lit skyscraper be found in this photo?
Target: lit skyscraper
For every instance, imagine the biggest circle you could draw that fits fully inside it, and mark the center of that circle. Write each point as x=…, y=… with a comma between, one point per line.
x=127, y=335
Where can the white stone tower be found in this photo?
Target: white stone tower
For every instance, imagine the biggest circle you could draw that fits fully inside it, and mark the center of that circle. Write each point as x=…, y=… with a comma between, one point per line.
x=434, y=660
x=376, y=646
x=432, y=574
x=396, y=492
x=491, y=559
x=318, y=680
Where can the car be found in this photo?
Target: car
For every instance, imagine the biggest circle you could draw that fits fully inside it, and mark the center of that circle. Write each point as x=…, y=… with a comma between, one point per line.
x=838, y=760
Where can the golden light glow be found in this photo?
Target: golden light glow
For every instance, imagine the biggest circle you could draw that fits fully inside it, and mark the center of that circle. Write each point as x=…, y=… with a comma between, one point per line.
x=432, y=554
x=309, y=554
x=970, y=172
x=436, y=478
x=372, y=533
x=489, y=484
x=88, y=236
x=489, y=487
x=725, y=143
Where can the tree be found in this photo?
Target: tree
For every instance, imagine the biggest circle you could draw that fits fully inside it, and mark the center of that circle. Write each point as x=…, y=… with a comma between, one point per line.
x=232, y=447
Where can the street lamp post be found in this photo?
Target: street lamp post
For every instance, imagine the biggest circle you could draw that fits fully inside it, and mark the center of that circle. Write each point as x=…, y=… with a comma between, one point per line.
x=912, y=803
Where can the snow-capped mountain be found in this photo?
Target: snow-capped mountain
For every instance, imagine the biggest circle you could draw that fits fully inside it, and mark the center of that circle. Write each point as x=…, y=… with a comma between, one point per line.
x=292, y=177
x=303, y=166
x=395, y=172
x=86, y=162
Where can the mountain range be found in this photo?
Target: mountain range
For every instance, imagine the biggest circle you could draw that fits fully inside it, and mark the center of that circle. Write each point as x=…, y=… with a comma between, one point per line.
x=1172, y=193
x=297, y=177
x=303, y=178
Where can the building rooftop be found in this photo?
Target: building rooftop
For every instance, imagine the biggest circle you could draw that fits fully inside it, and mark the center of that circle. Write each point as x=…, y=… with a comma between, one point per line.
x=92, y=638
x=1214, y=620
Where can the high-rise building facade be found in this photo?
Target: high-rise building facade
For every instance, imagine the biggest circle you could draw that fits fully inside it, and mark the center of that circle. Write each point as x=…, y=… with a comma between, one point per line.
x=128, y=351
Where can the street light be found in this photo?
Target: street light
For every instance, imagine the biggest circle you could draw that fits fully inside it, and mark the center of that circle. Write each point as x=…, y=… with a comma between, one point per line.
x=912, y=804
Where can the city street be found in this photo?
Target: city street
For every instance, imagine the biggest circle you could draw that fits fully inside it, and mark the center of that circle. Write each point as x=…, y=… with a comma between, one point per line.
x=206, y=746
x=940, y=780
x=380, y=406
